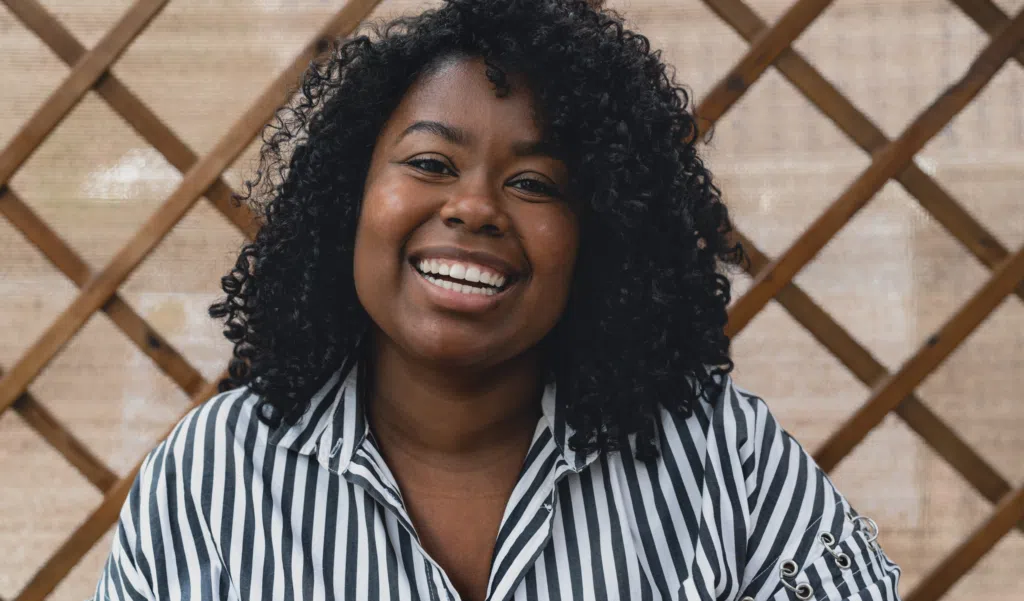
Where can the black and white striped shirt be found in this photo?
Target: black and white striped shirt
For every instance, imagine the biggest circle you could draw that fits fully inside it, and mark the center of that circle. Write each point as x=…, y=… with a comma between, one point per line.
x=734, y=508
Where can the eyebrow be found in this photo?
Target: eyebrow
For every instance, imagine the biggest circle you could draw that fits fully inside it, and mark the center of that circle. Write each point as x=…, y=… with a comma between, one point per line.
x=448, y=132
x=536, y=148
x=461, y=137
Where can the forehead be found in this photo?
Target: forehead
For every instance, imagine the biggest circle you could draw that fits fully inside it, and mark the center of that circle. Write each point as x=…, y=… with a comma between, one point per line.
x=457, y=92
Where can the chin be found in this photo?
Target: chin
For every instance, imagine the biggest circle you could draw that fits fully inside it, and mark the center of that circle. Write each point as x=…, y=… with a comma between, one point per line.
x=453, y=351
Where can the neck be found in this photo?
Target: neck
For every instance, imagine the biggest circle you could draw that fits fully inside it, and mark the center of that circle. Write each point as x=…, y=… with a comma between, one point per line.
x=460, y=420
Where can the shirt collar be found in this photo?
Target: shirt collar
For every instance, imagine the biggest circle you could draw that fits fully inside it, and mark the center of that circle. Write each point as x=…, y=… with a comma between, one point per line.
x=335, y=426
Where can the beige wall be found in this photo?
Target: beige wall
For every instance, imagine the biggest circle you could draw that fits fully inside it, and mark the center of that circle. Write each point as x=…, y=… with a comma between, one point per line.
x=891, y=277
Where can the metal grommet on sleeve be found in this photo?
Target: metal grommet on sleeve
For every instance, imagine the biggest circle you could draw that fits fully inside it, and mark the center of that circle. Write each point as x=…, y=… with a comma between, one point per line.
x=842, y=559
x=802, y=590
x=871, y=529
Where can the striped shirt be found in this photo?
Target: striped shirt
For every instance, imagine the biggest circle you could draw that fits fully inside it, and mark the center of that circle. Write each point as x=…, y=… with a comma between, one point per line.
x=733, y=509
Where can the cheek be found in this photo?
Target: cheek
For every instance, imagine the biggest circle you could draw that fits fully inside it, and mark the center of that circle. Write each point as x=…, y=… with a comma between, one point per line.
x=384, y=213
x=388, y=217
x=552, y=246
x=385, y=221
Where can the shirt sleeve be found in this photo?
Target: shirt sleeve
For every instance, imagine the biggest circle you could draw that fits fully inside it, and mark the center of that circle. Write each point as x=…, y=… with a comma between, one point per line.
x=804, y=540
x=126, y=574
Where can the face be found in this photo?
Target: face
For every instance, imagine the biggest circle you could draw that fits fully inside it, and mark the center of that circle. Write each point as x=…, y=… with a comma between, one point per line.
x=466, y=240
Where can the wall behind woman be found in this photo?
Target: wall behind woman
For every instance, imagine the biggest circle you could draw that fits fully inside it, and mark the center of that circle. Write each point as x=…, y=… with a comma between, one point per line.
x=891, y=277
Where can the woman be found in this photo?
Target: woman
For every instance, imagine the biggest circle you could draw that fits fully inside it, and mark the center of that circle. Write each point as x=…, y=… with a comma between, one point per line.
x=479, y=349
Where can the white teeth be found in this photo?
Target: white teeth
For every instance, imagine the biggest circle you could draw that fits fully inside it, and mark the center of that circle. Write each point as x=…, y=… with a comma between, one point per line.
x=463, y=288
x=464, y=272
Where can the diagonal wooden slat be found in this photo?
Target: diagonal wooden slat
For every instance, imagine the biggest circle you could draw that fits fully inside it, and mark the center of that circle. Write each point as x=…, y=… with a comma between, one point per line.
x=99, y=521
x=131, y=108
x=885, y=164
x=859, y=128
x=64, y=258
x=989, y=17
x=861, y=363
x=893, y=389
x=762, y=52
x=64, y=442
x=146, y=338
x=85, y=537
x=791, y=297
x=969, y=552
x=195, y=182
x=943, y=439
x=83, y=76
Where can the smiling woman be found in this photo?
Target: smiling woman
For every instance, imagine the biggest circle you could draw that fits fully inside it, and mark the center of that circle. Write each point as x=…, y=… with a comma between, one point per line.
x=479, y=349
x=457, y=176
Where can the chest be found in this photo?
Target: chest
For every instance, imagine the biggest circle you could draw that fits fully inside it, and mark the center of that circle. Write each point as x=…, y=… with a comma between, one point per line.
x=459, y=534
x=606, y=532
x=592, y=537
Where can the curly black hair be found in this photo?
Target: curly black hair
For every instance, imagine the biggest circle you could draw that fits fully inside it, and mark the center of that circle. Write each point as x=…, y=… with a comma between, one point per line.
x=644, y=325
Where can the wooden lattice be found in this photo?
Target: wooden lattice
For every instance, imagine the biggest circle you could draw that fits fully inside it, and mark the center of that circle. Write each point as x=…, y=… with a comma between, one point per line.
x=772, y=278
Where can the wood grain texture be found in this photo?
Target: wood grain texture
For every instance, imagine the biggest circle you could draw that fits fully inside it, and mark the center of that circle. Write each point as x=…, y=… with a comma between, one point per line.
x=764, y=50
x=889, y=392
x=989, y=17
x=99, y=521
x=43, y=421
x=203, y=174
x=99, y=291
x=929, y=426
x=985, y=246
x=1009, y=510
x=83, y=77
x=885, y=164
x=147, y=338
x=128, y=105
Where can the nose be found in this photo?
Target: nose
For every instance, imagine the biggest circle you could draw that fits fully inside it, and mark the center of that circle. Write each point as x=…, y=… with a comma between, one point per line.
x=476, y=209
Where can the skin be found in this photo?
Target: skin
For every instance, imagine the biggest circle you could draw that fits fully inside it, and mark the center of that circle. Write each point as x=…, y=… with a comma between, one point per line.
x=456, y=382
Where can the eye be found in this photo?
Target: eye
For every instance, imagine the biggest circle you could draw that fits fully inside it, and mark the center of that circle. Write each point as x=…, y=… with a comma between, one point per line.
x=429, y=165
x=536, y=187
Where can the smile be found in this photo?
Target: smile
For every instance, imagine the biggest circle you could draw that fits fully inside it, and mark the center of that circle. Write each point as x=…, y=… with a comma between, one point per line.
x=462, y=277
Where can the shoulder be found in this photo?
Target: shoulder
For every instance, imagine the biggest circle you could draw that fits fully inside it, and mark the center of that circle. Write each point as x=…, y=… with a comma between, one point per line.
x=728, y=419
x=180, y=484
x=227, y=415
x=204, y=440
